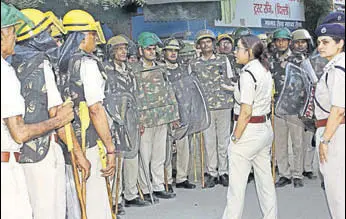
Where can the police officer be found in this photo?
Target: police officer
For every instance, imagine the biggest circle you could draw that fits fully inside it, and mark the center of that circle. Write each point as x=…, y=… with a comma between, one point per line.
x=264, y=38
x=302, y=48
x=158, y=108
x=85, y=83
x=214, y=71
x=15, y=130
x=253, y=134
x=286, y=125
x=121, y=81
x=330, y=114
x=42, y=157
x=175, y=72
x=225, y=45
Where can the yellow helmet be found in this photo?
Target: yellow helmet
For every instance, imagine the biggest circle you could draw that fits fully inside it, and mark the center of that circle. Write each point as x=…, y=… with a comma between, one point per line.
x=42, y=22
x=55, y=31
x=82, y=21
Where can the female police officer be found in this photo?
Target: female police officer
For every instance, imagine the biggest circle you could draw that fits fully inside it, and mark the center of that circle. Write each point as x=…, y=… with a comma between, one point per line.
x=330, y=114
x=253, y=134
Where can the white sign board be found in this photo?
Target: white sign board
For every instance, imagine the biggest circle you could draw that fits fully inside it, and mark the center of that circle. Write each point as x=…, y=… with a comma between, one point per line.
x=265, y=13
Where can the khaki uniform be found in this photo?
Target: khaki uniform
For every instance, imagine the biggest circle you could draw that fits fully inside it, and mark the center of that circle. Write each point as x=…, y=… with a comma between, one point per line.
x=330, y=91
x=253, y=148
x=183, y=161
x=211, y=74
x=158, y=108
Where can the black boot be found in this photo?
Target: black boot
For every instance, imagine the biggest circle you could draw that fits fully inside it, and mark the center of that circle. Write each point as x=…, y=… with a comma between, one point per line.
x=309, y=175
x=224, y=180
x=148, y=199
x=210, y=181
x=283, y=181
x=137, y=202
x=165, y=195
x=298, y=183
x=186, y=185
x=170, y=188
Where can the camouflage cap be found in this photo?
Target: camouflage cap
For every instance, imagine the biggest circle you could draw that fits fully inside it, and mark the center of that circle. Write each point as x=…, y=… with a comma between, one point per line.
x=11, y=16
x=202, y=34
x=301, y=34
x=223, y=37
x=173, y=43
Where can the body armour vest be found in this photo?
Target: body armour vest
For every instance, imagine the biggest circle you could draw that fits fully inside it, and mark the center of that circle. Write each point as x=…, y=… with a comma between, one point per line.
x=121, y=105
x=73, y=88
x=30, y=72
x=155, y=96
x=211, y=74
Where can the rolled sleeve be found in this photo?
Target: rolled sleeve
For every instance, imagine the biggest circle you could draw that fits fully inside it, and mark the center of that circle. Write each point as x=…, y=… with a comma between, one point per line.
x=93, y=82
x=247, y=89
x=337, y=88
x=54, y=97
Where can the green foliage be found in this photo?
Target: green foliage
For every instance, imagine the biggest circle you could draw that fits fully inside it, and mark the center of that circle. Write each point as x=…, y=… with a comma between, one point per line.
x=314, y=11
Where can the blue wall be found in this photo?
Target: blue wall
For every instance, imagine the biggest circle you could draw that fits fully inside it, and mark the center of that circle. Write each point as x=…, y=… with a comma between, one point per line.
x=166, y=29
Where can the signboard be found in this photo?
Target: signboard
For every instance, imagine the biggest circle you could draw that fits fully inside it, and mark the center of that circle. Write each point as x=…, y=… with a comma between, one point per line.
x=263, y=13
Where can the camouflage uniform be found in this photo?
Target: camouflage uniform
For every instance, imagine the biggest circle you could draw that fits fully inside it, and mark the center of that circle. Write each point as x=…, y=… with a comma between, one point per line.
x=120, y=80
x=212, y=74
x=158, y=107
x=286, y=125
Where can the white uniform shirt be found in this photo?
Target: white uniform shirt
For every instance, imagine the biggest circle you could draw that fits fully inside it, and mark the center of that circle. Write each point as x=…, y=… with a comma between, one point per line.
x=53, y=95
x=94, y=83
x=331, y=92
x=257, y=94
x=12, y=104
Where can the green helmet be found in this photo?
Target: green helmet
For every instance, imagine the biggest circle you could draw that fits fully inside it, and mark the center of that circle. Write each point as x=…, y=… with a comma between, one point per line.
x=147, y=39
x=241, y=31
x=282, y=33
x=202, y=34
x=11, y=16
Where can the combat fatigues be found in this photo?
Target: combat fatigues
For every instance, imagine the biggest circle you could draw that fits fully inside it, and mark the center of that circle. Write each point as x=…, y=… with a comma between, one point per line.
x=14, y=191
x=253, y=148
x=174, y=73
x=158, y=107
x=212, y=74
x=287, y=125
x=330, y=91
x=119, y=79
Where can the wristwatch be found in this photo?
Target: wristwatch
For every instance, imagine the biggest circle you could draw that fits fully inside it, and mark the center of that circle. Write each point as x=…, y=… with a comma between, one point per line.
x=234, y=139
x=324, y=141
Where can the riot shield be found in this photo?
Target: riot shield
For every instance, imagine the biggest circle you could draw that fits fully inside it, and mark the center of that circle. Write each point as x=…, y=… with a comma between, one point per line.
x=193, y=109
x=314, y=66
x=123, y=112
x=294, y=97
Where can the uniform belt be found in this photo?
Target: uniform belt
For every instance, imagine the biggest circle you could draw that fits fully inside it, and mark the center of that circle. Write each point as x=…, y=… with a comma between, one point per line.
x=54, y=137
x=254, y=119
x=5, y=156
x=323, y=122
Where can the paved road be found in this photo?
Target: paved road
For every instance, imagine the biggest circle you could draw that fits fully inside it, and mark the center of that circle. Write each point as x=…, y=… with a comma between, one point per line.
x=302, y=203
